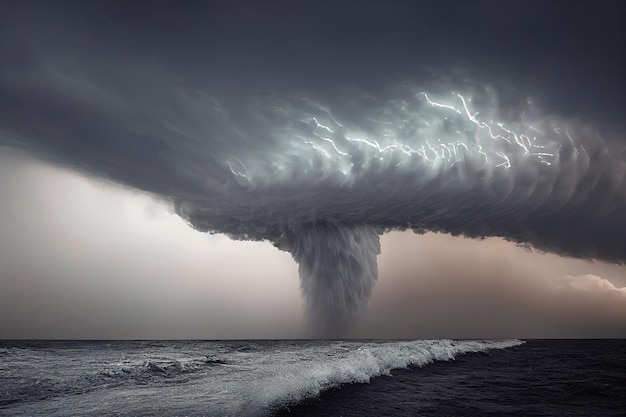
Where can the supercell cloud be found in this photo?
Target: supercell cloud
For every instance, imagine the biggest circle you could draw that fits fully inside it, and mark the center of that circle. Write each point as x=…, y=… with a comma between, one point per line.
x=318, y=161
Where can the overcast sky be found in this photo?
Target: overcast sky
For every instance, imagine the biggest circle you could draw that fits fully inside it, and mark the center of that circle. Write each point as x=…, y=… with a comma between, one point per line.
x=118, y=119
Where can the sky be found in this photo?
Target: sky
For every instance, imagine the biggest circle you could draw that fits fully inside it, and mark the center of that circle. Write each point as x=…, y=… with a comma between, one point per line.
x=309, y=138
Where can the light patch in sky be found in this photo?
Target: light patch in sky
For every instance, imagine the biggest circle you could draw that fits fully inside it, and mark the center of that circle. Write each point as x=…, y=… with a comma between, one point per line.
x=435, y=286
x=82, y=258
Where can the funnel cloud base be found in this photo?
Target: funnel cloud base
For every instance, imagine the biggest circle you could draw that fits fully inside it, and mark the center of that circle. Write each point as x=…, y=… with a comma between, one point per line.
x=338, y=269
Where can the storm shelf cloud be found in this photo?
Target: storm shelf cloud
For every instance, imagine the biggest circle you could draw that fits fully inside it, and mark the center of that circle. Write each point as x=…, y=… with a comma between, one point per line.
x=320, y=163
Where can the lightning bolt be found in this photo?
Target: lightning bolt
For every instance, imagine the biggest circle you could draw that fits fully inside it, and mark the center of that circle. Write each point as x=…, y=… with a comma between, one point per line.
x=409, y=133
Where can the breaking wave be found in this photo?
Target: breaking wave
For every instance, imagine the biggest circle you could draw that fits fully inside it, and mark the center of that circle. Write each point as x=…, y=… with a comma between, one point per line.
x=225, y=379
x=344, y=365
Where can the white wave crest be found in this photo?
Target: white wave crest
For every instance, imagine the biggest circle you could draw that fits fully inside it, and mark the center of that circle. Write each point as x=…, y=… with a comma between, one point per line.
x=344, y=363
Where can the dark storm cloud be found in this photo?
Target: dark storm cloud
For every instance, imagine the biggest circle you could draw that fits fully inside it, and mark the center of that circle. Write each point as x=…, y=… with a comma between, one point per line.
x=262, y=119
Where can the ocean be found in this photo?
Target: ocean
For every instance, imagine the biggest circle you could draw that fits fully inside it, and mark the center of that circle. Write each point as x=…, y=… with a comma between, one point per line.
x=313, y=378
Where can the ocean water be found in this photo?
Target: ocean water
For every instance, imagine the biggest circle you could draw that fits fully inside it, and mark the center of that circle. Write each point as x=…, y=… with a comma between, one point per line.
x=313, y=378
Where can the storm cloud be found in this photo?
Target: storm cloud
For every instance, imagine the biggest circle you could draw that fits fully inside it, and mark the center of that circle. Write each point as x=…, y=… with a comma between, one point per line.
x=319, y=129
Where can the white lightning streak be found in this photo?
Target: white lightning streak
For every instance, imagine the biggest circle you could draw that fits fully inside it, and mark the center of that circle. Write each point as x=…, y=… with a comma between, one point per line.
x=405, y=132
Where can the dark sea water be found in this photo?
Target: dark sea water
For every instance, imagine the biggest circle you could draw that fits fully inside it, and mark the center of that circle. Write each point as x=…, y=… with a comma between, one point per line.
x=313, y=378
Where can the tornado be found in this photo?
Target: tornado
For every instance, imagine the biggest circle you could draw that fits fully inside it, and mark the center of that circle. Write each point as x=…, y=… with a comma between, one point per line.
x=318, y=167
x=338, y=269
x=326, y=188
